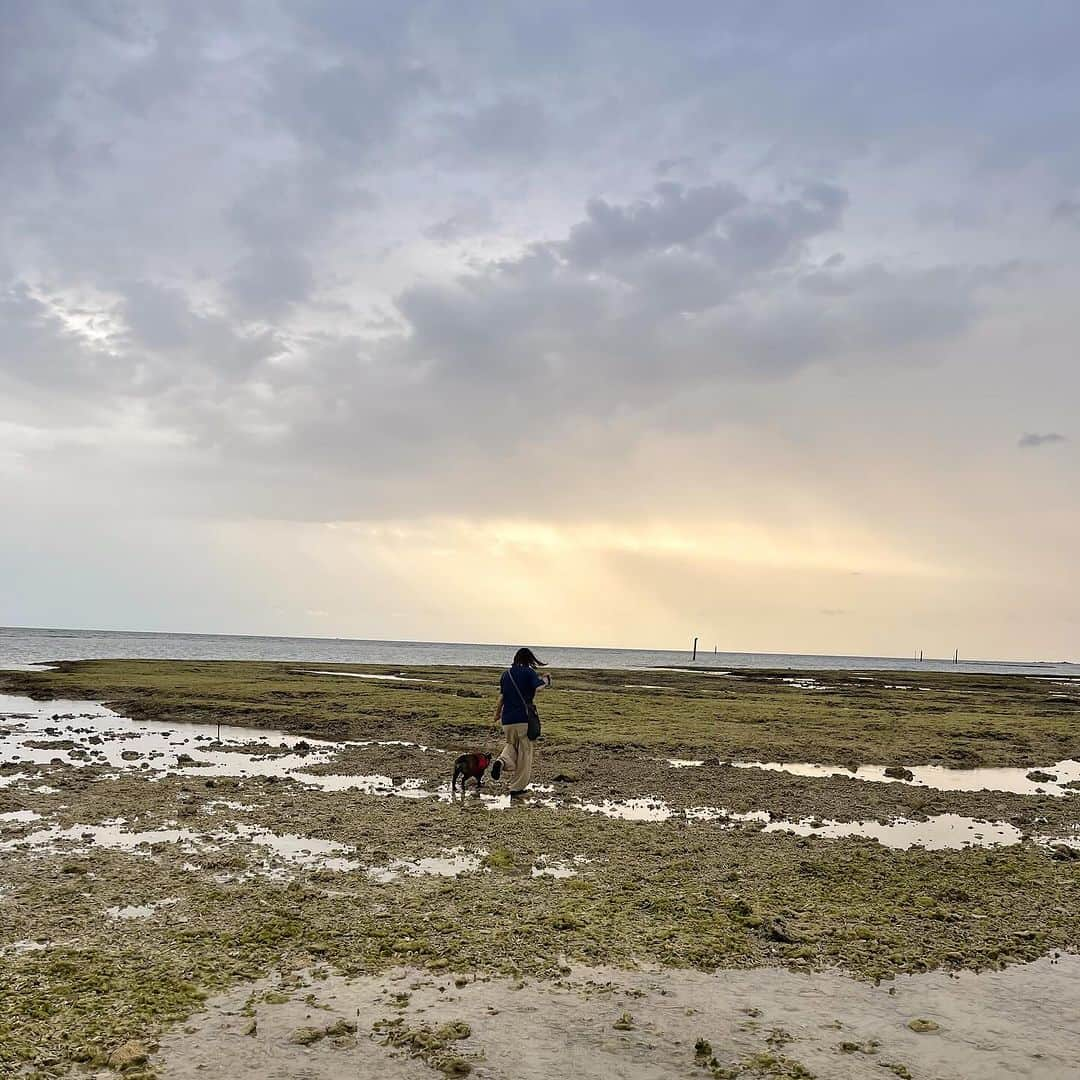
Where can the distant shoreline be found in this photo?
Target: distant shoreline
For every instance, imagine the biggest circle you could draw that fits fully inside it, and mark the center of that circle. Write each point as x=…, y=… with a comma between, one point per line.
x=22, y=646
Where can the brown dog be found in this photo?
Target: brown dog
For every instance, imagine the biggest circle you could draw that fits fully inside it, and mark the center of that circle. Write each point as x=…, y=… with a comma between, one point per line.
x=470, y=767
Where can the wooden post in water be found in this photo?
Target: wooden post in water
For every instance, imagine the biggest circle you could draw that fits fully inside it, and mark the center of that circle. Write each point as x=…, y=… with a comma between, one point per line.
x=694, y=657
x=920, y=656
x=956, y=656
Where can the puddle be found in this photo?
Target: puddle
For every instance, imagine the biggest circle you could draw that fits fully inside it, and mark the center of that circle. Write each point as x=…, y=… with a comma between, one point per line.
x=363, y=675
x=950, y=831
x=108, y=834
x=140, y=911
x=718, y=813
x=306, y=851
x=803, y=682
x=545, y=867
x=26, y=946
x=628, y=809
x=85, y=733
x=940, y=777
x=694, y=671
x=81, y=733
x=452, y=863
x=7, y=779
x=945, y=831
x=227, y=804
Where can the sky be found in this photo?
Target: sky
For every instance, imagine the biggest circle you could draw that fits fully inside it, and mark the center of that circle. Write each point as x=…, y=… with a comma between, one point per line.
x=601, y=324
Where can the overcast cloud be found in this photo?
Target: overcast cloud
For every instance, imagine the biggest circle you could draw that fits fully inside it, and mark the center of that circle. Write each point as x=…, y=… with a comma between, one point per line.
x=634, y=321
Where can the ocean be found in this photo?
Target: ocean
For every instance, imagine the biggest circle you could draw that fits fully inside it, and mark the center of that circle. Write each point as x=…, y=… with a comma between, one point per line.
x=21, y=647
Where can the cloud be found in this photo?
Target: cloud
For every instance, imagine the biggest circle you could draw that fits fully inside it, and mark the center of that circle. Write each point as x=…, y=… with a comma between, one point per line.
x=472, y=217
x=1067, y=210
x=509, y=129
x=1031, y=440
x=334, y=262
x=673, y=217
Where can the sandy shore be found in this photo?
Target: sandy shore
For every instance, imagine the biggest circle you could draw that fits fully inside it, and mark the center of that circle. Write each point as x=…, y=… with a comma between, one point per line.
x=769, y=1022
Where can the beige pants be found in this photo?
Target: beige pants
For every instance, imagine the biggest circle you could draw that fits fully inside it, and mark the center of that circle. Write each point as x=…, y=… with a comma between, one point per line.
x=517, y=755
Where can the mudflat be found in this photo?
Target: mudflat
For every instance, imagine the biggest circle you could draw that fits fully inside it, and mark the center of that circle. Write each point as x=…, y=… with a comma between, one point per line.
x=800, y=844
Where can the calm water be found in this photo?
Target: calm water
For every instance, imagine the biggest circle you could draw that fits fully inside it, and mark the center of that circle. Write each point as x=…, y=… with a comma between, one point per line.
x=20, y=646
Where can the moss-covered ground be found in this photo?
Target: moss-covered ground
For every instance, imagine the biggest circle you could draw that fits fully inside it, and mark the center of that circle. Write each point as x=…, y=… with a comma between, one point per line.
x=686, y=895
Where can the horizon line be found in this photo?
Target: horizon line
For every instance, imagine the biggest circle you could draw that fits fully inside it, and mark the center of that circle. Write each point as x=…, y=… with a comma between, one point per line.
x=508, y=645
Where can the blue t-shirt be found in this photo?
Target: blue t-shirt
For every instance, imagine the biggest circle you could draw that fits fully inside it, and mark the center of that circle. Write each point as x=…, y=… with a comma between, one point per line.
x=527, y=681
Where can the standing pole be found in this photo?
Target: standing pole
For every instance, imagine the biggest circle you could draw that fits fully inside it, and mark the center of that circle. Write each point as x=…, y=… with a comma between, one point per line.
x=956, y=656
x=694, y=657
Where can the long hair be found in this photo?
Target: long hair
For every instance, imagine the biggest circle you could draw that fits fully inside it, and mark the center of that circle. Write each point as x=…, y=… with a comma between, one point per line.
x=527, y=658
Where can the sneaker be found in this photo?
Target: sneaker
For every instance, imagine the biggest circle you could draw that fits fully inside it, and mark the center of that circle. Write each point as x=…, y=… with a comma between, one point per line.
x=496, y=769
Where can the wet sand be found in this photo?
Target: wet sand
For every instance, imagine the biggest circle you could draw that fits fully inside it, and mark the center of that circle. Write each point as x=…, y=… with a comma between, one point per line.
x=994, y=1026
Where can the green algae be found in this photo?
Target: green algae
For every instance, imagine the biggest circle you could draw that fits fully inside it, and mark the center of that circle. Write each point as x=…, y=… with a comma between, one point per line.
x=756, y=1065
x=433, y=1046
x=958, y=719
x=701, y=897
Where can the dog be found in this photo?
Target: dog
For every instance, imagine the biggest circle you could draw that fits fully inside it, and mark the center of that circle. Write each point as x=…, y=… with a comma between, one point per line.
x=470, y=767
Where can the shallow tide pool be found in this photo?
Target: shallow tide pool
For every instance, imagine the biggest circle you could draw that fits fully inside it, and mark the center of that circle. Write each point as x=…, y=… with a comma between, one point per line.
x=82, y=733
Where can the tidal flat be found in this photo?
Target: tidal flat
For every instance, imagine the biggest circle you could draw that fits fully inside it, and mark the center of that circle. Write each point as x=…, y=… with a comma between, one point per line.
x=154, y=874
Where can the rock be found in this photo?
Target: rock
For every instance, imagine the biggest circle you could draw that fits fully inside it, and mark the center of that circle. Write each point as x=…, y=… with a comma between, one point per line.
x=251, y=1027
x=921, y=1026
x=454, y=1066
x=781, y=931
x=456, y=1029
x=1064, y=852
x=624, y=1023
x=1040, y=777
x=341, y=1027
x=305, y=1036
x=128, y=1055
x=898, y=772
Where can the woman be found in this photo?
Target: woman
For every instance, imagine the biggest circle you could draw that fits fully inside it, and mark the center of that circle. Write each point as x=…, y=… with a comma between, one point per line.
x=517, y=688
